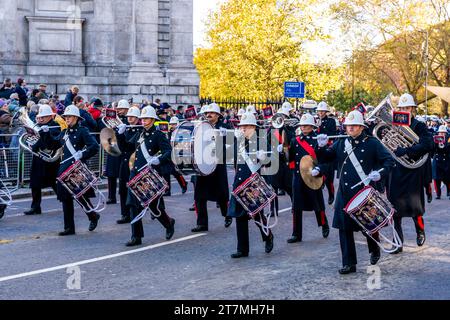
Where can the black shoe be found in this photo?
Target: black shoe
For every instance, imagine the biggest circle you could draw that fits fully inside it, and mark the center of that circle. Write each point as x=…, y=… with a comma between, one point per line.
x=398, y=250
x=347, y=269
x=420, y=238
x=199, y=229
x=67, y=232
x=192, y=208
x=281, y=193
x=32, y=212
x=331, y=199
x=294, y=239
x=325, y=230
x=217, y=205
x=239, y=255
x=124, y=220
x=438, y=197
x=183, y=190
x=167, y=194
x=134, y=242
x=94, y=222
x=170, y=230
x=374, y=257
x=111, y=201
x=228, y=222
x=269, y=244
x=2, y=210
x=429, y=198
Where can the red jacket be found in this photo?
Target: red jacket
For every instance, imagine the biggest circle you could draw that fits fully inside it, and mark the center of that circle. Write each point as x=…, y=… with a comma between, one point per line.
x=95, y=113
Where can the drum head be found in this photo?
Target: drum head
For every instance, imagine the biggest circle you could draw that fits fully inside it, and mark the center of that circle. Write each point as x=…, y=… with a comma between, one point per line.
x=359, y=199
x=204, y=148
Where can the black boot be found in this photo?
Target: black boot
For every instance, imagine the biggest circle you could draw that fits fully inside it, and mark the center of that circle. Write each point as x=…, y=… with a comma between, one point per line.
x=239, y=254
x=94, y=222
x=374, y=257
x=325, y=230
x=269, y=244
x=397, y=251
x=294, y=239
x=67, y=232
x=420, y=238
x=2, y=210
x=228, y=222
x=429, y=198
x=124, y=220
x=347, y=269
x=170, y=230
x=32, y=212
x=134, y=242
x=199, y=229
x=331, y=199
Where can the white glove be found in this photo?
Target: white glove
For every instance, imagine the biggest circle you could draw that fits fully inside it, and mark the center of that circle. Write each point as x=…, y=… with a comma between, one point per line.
x=155, y=161
x=45, y=129
x=121, y=128
x=322, y=140
x=223, y=132
x=280, y=148
x=315, y=172
x=374, y=176
x=78, y=155
x=261, y=155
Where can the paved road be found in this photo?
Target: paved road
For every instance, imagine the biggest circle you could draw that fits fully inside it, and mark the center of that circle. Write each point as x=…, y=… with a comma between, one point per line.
x=36, y=264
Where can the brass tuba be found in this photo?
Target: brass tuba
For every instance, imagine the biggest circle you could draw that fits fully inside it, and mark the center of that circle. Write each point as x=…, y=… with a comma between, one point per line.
x=279, y=122
x=31, y=137
x=110, y=119
x=393, y=137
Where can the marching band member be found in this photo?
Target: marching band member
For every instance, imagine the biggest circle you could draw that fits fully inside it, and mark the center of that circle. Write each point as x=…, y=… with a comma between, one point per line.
x=126, y=133
x=78, y=144
x=305, y=198
x=170, y=169
x=213, y=187
x=247, y=128
x=148, y=144
x=441, y=162
x=358, y=156
x=43, y=174
x=327, y=126
x=282, y=180
x=113, y=163
x=405, y=188
x=428, y=171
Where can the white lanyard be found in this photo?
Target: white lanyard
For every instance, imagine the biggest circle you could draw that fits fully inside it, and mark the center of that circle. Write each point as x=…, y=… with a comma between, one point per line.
x=144, y=150
x=359, y=170
x=69, y=144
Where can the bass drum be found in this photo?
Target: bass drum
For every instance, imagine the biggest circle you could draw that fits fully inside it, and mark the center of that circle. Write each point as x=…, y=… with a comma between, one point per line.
x=194, y=148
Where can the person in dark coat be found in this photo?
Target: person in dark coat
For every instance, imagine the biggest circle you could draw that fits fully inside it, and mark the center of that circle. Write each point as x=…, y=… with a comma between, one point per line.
x=78, y=144
x=86, y=118
x=441, y=163
x=327, y=126
x=406, y=186
x=372, y=156
x=213, y=187
x=148, y=144
x=247, y=128
x=7, y=89
x=305, y=198
x=281, y=181
x=70, y=95
x=126, y=133
x=113, y=163
x=21, y=91
x=43, y=173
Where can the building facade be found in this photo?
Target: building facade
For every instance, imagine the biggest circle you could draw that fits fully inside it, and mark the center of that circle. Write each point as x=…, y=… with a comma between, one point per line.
x=110, y=48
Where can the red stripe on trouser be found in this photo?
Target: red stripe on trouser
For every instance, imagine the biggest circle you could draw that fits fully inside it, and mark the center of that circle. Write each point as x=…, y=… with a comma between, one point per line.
x=331, y=187
x=420, y=223
x=429, y=188
x=195, y=208
x=436, y=187
x=322, y=217
x=181, y=181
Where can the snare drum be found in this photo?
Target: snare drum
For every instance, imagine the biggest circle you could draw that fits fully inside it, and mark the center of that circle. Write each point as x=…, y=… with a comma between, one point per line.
x=147, y=186
x=371, y=211
x=78, y=179
x=194, y=148
x=254, y=194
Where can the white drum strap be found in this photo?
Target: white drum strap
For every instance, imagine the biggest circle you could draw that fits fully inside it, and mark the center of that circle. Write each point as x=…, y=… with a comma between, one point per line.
x=354, y=160
x=69, y=144
x=252, y=166
x=144, y=150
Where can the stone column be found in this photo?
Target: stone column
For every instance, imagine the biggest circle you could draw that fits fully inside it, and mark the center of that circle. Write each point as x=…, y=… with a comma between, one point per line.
x=181, y=34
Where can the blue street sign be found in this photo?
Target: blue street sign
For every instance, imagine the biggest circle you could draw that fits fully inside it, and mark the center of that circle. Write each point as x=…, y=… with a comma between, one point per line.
x=294, y=90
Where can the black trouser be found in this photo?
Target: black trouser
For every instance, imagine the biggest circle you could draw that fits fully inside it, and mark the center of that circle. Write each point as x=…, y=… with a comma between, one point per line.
x=112, y=188
x=428, y=190
x=179, y=177
x=242, y=232
x=36, y=194
x=437, y=187
x=348, y=248
x=123, y=194
x=69, y=211
x=202, y=211
x=329, y=183
x=158, y=209
x=418, y=224
x=297, y=221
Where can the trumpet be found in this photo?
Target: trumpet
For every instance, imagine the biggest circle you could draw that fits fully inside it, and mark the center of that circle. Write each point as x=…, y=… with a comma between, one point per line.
x=279, y=122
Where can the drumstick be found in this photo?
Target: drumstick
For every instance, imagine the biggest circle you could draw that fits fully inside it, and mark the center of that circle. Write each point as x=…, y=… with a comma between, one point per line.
x=335, y=137
x=71, y=157
x=362, y=181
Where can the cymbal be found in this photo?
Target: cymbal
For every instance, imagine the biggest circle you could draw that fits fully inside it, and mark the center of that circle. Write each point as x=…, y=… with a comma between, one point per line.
x=307, y=164
x=108, y=141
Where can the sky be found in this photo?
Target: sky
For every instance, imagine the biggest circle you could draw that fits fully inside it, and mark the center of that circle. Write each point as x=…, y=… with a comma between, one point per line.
x=201, y=9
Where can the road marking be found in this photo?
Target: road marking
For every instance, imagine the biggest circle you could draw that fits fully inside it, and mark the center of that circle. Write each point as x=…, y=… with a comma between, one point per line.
x=284, y=210
x=111, y=256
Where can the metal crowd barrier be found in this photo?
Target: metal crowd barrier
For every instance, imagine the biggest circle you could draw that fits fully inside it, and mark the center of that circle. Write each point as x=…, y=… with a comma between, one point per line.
x=15, y=163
